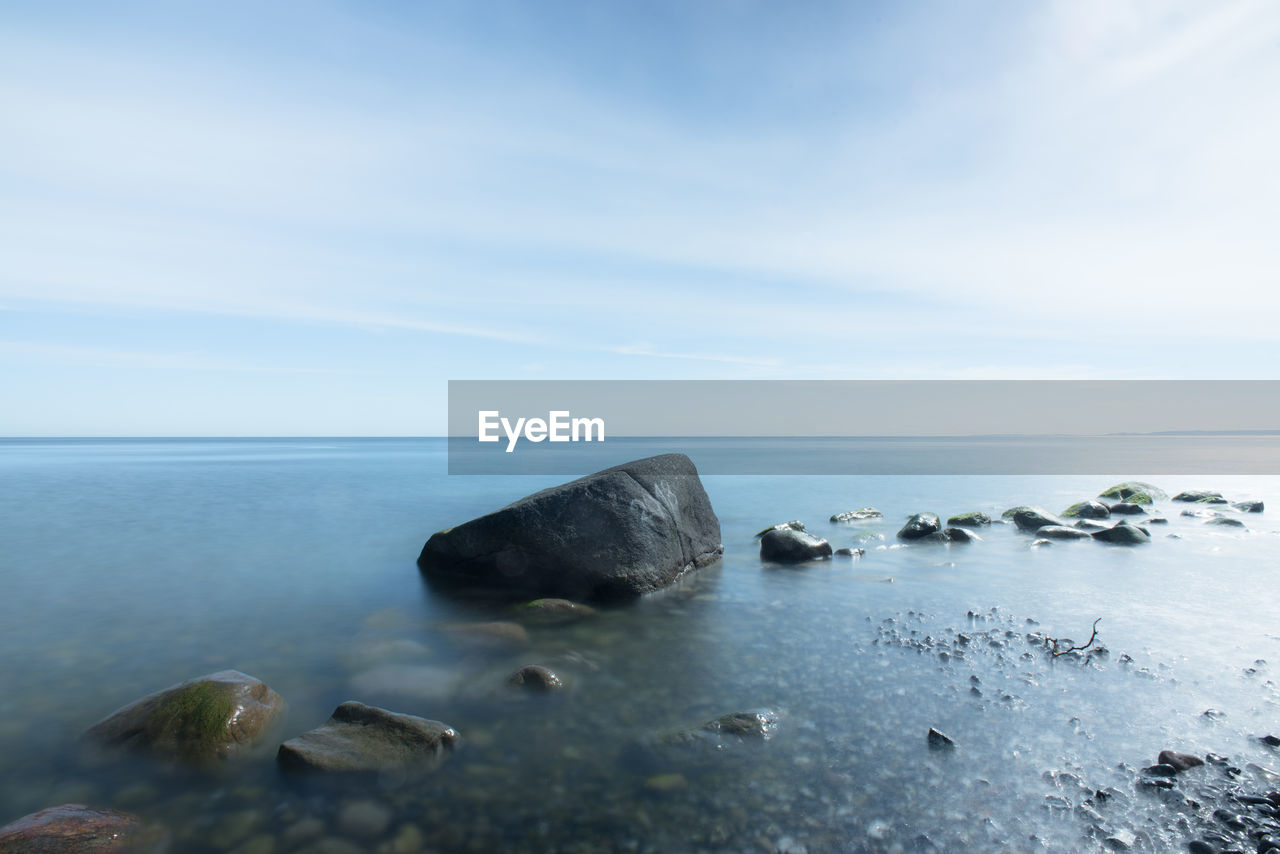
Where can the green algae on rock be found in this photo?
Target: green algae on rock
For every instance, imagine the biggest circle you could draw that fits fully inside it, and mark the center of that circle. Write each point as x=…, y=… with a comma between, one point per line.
x=207, y=718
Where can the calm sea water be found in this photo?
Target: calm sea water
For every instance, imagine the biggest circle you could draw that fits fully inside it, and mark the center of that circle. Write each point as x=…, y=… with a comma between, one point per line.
x=130, y=565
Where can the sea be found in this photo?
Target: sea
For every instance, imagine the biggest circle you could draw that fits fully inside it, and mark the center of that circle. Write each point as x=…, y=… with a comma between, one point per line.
x=130, y=565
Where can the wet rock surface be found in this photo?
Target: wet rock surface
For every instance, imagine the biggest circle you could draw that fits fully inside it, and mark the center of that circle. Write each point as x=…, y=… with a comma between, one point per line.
x=78, y=829
x=552, y=612
x=791, y=546
x=1032, y=519
x=857, y=515
x=972, y=519
x=366, y=739
x=1135, y=491
x=208, y=718
x=614, y=534
x=1087, y=510
x=1199, y=496
x=1123, y=534
x=919, y=526
x=535, y=678
x=1059, y=532
x=1127, y=508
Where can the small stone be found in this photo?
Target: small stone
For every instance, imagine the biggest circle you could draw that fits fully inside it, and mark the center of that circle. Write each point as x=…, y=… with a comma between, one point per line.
x=1160, y=770
x=363, y=819
x=1127, y=508
x=857, y=515
x=846, y=552
x=939, y=740
x=1179, y=761
x=1270, y=740
x=535, y=677
x=665, y=782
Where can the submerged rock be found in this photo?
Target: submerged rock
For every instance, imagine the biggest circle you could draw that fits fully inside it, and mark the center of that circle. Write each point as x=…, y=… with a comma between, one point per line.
x=614, y=534
x=1249, y=506
x=793, y=525
x=1198, y=496
x=78, y=829
x=1087, y=510
x=1089, y=525
x=790, y=546
x=534, y=677
x=857, y=515
x=1127, y=508
x=210, y=717
x=495, y=635
x=846, y=552
x=1123, y=534
x=364, y=739
x=1060, y=532
x=1136, y=492
x=552, y=612
x=919, y=526
x=755, y=725
x=972, y=519
x=1226, y=522
x=1032, y=519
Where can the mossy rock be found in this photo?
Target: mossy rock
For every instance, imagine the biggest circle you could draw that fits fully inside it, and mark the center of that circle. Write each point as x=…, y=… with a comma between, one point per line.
x=1200, y=496
x=208, y=718
x=972, y=519
x=1087, y=510
x=1135, y=492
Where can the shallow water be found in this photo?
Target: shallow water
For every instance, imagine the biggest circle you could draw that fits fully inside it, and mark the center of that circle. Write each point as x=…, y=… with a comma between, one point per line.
x=132, y=565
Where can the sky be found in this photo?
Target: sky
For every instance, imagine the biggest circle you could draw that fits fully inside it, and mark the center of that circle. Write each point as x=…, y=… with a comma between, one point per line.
x=239, y=218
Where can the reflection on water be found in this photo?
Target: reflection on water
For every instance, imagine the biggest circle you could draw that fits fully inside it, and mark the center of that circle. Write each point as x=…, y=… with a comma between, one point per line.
x=129, y=568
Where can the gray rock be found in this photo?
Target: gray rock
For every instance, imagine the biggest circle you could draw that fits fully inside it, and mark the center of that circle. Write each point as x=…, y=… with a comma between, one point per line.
x=1249, y=506
x=857, y=515
x=1032, y=519
x=1059, y=532
x=972, y=519
x=614, y=534
x=1121, y=840
x=846, y=552
x=366, y=739
x=789, y=546
x=794, y=525
x=535, y=678
x=1089, y=525
x=755, y=725
x=920, y=526
x=1226, y=522
x=207, y=718
x=1123, y=534
x=1178, y=761
x=552, y=612
x=1127, y=508
x=1198, y=496
x=1087, y=510
x=961, y=535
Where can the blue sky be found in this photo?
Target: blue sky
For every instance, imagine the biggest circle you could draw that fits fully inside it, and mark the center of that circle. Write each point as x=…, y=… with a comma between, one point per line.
x=303, y=219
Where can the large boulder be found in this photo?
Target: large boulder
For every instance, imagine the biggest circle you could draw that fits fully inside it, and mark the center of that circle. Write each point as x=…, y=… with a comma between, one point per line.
x=789, y=546
x=365, y=739
x=614, y=534
x=207, y=718
x=79, y=829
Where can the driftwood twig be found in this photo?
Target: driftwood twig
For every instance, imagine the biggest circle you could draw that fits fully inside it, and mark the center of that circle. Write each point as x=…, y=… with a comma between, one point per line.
x=1092, y=638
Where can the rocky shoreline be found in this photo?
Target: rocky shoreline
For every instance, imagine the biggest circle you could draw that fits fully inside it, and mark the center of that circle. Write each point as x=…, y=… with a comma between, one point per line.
x=648, y=506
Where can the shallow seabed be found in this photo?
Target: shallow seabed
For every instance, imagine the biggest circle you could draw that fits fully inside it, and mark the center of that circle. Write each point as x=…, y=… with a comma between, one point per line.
x=131, y=565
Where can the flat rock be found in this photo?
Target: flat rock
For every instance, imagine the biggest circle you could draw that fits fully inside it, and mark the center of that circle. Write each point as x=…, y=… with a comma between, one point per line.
x=1199, y=496
x=615, y=534
x=366, y=739
x=1061, y=532
x=1032, y=519
x=1127, y=508
x=1089, y=525
x=1087, y=510
x=972, y=519
x=552, y=612
x=1226, y=522
x=857, y=515
x=77, y=829
x=848, y=552
x=493, y=635
x=920, y=526
x=1123, y=534
x=1249, y=506
x=210, y=717
x=787, y=545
